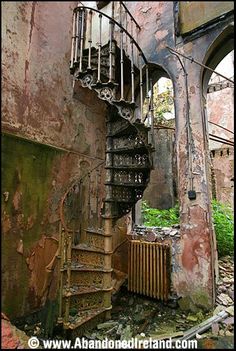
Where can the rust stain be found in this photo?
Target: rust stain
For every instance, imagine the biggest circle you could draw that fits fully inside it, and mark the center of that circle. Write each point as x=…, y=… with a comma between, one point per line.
x=41, y=256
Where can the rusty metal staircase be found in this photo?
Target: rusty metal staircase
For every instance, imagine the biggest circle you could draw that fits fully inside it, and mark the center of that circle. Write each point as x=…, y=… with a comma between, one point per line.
x=118, y=71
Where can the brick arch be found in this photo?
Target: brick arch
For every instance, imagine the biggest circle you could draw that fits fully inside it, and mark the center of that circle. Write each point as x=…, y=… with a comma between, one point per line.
x=220, y=47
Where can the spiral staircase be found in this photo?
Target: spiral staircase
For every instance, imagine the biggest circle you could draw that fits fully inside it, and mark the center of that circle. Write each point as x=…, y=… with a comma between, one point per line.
x=117, y=71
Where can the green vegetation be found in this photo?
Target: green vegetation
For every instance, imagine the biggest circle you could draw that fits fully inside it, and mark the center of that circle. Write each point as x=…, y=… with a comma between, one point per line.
x=224, y=228
x=152, y=217
x=223, y=221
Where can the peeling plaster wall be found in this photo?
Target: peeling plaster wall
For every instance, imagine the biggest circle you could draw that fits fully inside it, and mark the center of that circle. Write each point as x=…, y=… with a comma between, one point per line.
x=195, y=278
x=50, y=137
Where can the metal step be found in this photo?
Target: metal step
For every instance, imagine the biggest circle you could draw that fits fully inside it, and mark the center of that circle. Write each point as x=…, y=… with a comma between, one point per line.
x=83, y=317
x=82, y=289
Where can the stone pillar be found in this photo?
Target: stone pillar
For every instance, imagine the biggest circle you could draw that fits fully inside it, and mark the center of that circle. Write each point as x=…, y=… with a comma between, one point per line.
x=194, y=278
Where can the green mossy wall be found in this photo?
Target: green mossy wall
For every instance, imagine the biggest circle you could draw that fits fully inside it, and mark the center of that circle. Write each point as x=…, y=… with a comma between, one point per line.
x=27, y=177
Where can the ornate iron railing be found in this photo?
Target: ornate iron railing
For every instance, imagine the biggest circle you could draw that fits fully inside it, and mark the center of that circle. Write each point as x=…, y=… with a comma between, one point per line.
x=92, y=31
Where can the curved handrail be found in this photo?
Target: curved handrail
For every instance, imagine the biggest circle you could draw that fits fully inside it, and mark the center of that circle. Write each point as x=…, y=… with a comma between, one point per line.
x=118, y=24
x=62, y=218
x=132, y=17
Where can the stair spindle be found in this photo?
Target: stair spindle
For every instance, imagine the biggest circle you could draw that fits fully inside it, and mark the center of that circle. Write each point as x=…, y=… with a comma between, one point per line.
x=61, y=258
x=152, y=109
x=81, y=40
x=121, y=66
x=99, y=49
x=121, y=58
x=69, y=246
x=90, y=38
x=98, y=177
x=132, y=63
x=73, y=41
x=76, y=36
x=147, y=82
x=89, y=194
x=111, y=77
x=126, y=37
x=141, y=86
x=137, y=51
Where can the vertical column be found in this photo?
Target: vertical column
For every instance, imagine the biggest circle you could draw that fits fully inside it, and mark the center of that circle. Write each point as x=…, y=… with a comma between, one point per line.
x=90, y=38
x=73, y=41
x=81, y=40
x=77, y=15
x=89, y=199
x=121, y=59
x=141, y=86
x=69, y=247
x=99, y=48
x=61, y=260
x=132, y=63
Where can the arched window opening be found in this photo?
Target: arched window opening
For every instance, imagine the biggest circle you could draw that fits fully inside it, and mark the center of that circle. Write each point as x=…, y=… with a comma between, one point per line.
x=220, y=126
x=161, y=193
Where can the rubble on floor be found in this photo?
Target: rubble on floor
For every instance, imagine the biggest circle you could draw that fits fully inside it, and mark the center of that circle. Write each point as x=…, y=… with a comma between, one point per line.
x=11, y=337
x=142, y=317
x=138, y=316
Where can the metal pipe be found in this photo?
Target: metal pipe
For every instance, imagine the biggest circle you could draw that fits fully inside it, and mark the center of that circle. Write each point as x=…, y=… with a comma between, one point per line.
x=90, y=38
x=220, y=138
x=99, y=48
x=221, y=142
x=73, y=41
x=200, y=64
x=81, y=41
x=221, y=127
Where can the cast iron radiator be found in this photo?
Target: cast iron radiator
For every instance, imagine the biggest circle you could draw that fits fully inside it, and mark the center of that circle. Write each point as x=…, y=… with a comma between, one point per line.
x=149, y=269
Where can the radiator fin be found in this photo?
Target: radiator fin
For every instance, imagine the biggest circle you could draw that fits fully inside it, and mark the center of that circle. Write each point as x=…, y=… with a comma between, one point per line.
x=149, y=269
